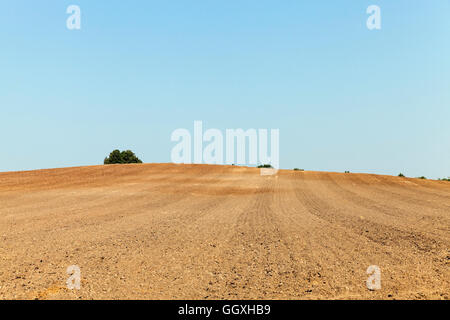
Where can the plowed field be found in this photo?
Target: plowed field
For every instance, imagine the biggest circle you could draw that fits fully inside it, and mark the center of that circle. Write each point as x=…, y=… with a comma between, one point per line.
x=165, y=231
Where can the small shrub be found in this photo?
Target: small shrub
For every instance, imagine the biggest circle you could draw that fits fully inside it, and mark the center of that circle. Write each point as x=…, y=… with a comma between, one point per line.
x=445, y=179
x=265, y=166
x=126, y=156
x=347, y=171
x=422, y=177
x=401, y=175
x=297, y=169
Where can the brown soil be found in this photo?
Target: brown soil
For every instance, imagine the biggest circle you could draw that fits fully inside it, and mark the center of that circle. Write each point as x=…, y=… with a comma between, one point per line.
x=164, y=231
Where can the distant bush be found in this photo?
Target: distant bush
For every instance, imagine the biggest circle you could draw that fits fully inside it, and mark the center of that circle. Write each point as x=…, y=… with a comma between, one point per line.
x=126, y=156
x=347, y=171
x=265, y=166
x=297, y=169
x=401, y=175
x=422, y=177
x=445, y=179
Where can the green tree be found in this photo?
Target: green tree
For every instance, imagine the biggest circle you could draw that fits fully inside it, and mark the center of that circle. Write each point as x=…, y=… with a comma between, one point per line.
x=126, y=156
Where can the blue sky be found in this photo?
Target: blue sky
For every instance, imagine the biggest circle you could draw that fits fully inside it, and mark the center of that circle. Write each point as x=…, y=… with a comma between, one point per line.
x=343, y=97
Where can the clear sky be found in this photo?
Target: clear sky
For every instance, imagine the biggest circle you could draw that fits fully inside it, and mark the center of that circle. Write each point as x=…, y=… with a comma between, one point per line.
x=343, y=97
